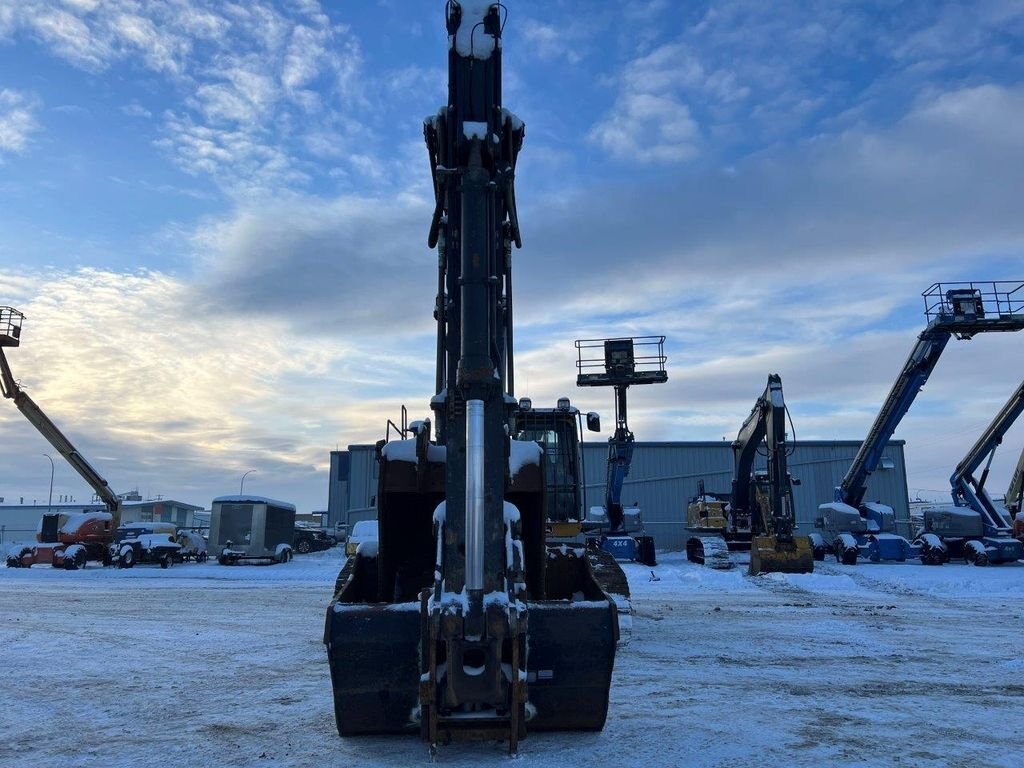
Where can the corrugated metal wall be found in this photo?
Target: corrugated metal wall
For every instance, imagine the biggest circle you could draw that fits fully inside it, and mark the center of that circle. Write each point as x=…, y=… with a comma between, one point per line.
x=663, y=477
x=362, y=483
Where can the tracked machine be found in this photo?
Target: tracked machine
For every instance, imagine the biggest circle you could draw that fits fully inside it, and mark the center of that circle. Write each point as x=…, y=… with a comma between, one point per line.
x=461, y=622
x=758, y=513
x=857, y=529
x=64, y=540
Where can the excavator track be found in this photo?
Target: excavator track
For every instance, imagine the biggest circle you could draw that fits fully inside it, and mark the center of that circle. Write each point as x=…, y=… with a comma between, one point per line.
x=712, y=551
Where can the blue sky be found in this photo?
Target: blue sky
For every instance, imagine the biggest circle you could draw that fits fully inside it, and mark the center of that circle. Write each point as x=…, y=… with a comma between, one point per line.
x=214, y=216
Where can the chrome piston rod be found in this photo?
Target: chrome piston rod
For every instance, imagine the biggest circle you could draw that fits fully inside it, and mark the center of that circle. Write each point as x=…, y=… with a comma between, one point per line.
x=474, y=495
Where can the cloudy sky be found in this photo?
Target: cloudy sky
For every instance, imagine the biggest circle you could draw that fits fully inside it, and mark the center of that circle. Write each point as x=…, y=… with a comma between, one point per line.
x=214, y=217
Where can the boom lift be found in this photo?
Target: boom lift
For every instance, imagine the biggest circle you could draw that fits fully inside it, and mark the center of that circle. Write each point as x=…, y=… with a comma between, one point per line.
x=1015, y=493
x=975, y=527
x=620, y=363
x=759, y=513
x=460, y=622
x=64, y=540
x=856, y=528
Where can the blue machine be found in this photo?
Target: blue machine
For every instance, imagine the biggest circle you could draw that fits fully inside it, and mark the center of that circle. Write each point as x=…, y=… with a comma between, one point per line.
x=855, y=529
x=976, y=528
x=623, y=362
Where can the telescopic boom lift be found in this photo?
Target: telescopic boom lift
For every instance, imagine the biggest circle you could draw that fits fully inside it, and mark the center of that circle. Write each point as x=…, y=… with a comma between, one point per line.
x=975, y=527
x=64, y=540
x=855, y=528
x=1015, y=493
x=621, y=363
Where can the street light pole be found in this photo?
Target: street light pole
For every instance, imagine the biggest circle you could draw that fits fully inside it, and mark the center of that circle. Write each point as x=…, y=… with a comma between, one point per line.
x=241, y=485
x=49, y=503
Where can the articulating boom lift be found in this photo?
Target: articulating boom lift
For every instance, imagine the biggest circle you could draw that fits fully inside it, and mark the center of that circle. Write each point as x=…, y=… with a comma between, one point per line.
x=759, y=512
x=975, y=528
x=856, y=528
x=462, y=622
x=64, y=540
x=1015, y=493
x=620, y=366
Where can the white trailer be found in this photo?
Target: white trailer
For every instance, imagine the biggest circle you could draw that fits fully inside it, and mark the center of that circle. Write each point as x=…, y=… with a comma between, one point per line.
x=251, y=529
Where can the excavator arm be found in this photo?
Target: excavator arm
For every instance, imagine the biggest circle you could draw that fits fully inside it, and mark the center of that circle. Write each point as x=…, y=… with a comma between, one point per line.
x=765, y=424
x=38, y=419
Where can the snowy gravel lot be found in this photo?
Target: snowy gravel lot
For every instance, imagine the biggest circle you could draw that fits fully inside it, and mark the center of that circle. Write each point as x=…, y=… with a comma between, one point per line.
x=208, y=665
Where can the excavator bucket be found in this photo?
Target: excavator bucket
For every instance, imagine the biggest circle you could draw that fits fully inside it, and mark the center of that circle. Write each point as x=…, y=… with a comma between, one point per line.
x=770, y=555
x=378, y=627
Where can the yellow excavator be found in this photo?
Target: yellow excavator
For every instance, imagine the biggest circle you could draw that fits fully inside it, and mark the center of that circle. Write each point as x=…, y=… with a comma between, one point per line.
x=758, y=514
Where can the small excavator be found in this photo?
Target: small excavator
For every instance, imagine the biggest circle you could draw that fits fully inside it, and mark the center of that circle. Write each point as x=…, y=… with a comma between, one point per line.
x=621, y=363
x=975, y=527
x=64, y=540
x=461, y=621
x=758, y=514
x=854, y=528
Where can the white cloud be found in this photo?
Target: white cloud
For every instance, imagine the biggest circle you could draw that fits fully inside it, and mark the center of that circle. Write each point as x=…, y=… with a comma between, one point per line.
x=136, y=110
x=252, y=78
x=177, y=397
x=648, y=128
x=17, y=120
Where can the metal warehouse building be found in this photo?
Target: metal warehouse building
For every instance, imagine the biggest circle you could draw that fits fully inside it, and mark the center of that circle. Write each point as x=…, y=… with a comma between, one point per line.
x=664, y=476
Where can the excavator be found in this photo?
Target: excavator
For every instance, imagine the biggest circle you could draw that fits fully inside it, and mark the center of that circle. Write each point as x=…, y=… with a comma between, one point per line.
x=854, y=528
x=64, y=540
x=758, y=514
x=460, y=621
x=975, y=527
x=621, y=363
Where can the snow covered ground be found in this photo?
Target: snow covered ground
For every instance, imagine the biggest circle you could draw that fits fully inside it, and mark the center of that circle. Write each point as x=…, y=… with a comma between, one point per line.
x=209, y=665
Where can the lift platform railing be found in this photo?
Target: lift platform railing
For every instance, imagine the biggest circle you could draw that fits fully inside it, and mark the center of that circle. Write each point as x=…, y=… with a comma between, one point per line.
x=10, y=326
x=966, y=308
x=615, y=362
